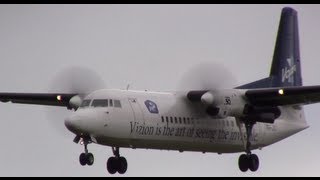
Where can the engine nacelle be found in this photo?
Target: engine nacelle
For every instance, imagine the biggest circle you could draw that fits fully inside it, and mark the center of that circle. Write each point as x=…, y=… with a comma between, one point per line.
x=264, y=114
x=224, y=103
x=232, y=102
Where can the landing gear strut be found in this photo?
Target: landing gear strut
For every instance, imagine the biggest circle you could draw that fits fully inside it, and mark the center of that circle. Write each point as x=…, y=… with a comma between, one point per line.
x=248, y=160
x=117, y=163
x=86, y=158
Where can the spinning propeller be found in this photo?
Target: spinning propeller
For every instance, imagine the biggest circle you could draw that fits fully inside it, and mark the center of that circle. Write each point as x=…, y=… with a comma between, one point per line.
x=75, y=80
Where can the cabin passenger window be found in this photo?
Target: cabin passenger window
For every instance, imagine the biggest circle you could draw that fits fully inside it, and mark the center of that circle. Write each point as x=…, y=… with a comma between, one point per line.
x=100, y=103
x=167, y=119
x=110, y=102
x=175, y=120
x=162, y=118
x=171, y=119
x=180, y=121
x=117, y=103
x=85, y=103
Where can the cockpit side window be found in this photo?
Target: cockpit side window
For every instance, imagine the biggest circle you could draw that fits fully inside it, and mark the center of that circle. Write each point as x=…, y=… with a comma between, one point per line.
x=85, y=103
x=100, y=103
x=117, y=103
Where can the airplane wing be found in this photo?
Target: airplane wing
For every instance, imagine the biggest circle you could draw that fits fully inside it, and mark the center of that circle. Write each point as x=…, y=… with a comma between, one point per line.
x=50, y=99
x=276, y=96
x=284, y=96
x=262, y=97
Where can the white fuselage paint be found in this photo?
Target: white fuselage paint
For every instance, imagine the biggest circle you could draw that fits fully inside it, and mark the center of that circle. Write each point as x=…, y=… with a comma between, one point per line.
x=133, y=125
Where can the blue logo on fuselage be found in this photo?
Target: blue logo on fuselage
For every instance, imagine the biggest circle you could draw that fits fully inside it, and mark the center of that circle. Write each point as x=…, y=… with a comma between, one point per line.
x=152, y=107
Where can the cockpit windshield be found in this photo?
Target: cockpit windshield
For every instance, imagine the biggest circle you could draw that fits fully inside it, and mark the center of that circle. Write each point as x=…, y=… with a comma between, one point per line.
x=85, y=103
x=100, y=103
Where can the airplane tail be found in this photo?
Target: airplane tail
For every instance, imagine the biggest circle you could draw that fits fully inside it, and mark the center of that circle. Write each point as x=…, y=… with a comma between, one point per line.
x=285, y=68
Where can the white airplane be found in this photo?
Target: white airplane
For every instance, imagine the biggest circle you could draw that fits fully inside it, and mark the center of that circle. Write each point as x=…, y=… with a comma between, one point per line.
x=241, y=119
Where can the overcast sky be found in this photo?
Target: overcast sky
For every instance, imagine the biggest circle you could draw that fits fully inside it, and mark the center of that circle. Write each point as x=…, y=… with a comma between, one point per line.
x=151, y=47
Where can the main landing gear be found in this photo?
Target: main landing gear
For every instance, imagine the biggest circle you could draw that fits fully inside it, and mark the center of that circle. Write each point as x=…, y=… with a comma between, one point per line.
x=117, y=163
x=248, y=160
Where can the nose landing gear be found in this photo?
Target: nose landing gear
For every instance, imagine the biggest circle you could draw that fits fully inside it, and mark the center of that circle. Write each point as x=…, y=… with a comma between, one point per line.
x=86, y=158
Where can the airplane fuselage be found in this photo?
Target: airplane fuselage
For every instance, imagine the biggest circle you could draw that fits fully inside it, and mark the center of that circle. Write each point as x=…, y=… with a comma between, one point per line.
x=168, y=121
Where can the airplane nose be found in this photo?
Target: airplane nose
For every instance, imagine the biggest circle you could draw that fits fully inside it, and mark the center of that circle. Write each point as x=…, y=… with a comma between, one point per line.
x=72, y=124
x=81, y=122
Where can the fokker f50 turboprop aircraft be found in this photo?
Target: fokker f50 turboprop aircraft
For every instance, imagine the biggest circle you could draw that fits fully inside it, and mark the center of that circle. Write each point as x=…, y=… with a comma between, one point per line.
x=235, y=120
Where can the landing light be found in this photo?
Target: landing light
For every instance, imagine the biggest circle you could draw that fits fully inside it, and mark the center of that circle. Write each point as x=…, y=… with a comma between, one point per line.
x=281, y=92
x=59, y=98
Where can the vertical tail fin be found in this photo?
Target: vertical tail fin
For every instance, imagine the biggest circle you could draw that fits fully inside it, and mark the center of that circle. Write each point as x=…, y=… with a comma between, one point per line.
x=285, y=71
x=286, y=68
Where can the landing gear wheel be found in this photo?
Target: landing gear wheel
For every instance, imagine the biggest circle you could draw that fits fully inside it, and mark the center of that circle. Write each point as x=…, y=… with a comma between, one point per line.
x=117, y=163
x=123, y=165
x=83, y=159
x=86, y=159
x=253, y=162
x=248, y=160
x=112, y=165
x=243, y=162
x=90, y=159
